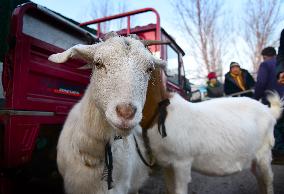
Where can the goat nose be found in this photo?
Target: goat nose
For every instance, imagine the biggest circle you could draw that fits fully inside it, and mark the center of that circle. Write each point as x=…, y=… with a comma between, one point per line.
x=126, y=111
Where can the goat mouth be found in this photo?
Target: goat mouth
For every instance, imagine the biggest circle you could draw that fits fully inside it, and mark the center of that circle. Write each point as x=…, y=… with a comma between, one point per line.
x=123, y=126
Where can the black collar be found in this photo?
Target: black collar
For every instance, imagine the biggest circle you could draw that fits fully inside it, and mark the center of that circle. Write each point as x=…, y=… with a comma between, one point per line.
x=162, y=108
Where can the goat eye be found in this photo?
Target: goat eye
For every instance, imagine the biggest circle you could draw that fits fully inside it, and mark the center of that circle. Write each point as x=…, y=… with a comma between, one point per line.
x=99, y=64
x=150, y=70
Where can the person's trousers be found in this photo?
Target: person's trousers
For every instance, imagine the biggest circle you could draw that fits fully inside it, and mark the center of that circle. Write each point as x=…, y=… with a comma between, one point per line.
x=279, y=136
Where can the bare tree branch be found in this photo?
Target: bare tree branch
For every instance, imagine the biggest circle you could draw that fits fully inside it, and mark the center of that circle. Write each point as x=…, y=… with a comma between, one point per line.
x=106, y=8
x=200, y=21
x=261, y=18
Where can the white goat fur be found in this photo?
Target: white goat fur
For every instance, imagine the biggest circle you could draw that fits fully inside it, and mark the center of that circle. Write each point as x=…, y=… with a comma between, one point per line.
x=217, y=137
x=121, y=78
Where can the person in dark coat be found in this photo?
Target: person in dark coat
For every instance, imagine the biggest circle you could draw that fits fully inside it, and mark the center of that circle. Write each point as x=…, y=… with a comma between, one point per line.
x=266, y=76
x=214, y=87
x=238, y=80
x=267, y=80
x=280, y=60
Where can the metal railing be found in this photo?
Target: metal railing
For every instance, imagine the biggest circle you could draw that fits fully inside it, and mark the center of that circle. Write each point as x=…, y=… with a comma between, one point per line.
x=127, y=15
x=238, y=94
x=204, y=98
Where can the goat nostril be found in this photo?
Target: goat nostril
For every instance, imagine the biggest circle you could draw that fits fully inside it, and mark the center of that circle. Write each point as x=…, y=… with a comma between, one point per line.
x=126, y=111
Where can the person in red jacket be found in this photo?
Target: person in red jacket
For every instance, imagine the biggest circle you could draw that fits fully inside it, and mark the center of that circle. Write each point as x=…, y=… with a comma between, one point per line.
x=214, y=87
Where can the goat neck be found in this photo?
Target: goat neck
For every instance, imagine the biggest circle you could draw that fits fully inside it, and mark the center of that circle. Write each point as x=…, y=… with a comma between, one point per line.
x=96, y=126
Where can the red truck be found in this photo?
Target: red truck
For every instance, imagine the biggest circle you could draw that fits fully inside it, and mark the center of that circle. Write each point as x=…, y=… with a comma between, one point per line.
x=38, y=94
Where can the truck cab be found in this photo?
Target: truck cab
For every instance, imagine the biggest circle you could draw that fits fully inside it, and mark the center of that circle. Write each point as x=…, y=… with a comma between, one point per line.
x=171, y=52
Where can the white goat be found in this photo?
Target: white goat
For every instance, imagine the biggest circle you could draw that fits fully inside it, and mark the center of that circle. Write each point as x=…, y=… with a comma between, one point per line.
x=112, y=105
x=217, y=137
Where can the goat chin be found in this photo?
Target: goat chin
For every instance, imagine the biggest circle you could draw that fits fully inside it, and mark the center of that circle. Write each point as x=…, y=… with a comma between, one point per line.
x=123, y=132
x=217, y=137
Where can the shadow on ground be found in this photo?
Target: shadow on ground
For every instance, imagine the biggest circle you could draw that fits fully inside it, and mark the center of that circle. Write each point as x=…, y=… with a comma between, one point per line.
x=241, y=183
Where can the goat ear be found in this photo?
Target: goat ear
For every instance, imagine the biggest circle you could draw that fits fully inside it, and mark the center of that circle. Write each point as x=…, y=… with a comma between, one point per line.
x=84, y=52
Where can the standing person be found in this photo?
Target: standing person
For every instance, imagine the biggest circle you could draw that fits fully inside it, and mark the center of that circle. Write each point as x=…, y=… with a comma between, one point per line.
x=214, y=87
x=280, y=60
x=267, y=80
x=266, y=76
x=238, y=80
x=279, y=128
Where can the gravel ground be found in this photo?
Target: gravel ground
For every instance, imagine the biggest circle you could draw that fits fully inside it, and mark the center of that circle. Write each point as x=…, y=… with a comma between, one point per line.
x=241, y=183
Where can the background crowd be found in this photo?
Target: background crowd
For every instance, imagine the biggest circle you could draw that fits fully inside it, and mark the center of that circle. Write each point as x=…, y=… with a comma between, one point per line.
x=270, y=77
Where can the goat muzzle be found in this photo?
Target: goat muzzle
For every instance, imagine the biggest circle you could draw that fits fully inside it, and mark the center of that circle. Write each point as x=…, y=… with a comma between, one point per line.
x=126, y=111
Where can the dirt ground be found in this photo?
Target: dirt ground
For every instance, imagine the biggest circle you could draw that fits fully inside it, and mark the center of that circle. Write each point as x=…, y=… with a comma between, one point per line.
x=241, y=183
